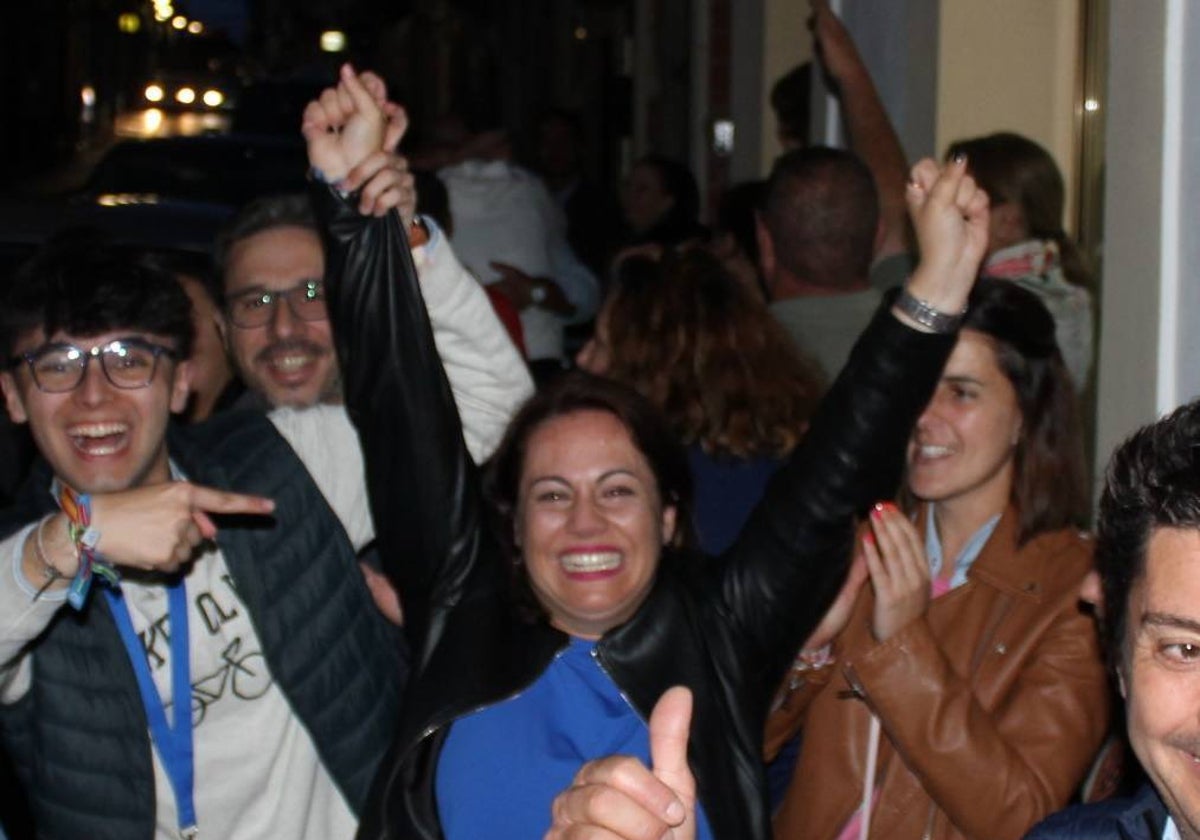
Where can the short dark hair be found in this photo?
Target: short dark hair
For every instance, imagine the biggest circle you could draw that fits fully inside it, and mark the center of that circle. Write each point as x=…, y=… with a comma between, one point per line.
x=570, y=393
x=266, y=213
x=186, y=264
x=81, y=283
x=1153, y=481
x=1049, y=476
x=822, y=211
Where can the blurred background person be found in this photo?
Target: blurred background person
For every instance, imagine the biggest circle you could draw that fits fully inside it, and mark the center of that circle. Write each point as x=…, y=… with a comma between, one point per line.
x=816, y=237
x=660, y=203
x=214, y=384
x=593, y=220
x=510, y=233
x=1026, y=240
x=963, y=693
x=730, y=383
x=733, y=239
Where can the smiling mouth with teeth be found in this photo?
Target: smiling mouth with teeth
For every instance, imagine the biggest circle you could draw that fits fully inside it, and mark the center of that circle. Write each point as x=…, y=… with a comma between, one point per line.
x=98, y=439
x=591, y=561
x=290, y=362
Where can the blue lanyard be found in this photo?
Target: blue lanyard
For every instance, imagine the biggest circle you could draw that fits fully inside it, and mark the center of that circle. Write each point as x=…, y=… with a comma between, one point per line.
x=173, y=742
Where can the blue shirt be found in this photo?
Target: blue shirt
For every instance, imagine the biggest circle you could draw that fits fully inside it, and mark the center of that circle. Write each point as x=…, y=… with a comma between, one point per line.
x=725, y=491
x=501, y=767
x=966, y=557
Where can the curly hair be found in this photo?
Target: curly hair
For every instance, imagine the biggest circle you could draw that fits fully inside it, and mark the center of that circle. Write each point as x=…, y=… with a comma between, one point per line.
x=708, y=354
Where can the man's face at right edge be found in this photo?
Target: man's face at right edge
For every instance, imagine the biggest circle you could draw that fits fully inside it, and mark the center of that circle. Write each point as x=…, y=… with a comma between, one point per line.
x=1160, y=672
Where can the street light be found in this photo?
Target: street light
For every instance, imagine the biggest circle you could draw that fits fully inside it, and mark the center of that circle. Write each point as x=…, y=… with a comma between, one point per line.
x=333, y=40
x=179, y=21
x=153, y=93
x=213, y=98
x=195, y=27
x=185, y=96
x=129, y=23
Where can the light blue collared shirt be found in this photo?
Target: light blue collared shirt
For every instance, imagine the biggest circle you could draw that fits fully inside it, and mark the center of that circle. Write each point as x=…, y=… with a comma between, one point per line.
x=966, y=558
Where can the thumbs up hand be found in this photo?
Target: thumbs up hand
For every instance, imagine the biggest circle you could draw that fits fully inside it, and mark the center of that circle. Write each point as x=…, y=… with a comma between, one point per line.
x=619, y=798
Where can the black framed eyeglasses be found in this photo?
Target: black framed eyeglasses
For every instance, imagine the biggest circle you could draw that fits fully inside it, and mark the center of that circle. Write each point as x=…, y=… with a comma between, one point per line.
x=127, y=363
x=256, y=307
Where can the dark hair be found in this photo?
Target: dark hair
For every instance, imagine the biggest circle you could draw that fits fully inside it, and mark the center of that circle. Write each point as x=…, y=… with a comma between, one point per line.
x=1153, y=481
x=790, y=97
x=1049, y=483
x=822, y=211
x=704, y=350
x=197, y=266
x=266, y=213
x=736, y=212
x=1012, y=168
x=82, y=284
x=570, y=393
x=682, y=221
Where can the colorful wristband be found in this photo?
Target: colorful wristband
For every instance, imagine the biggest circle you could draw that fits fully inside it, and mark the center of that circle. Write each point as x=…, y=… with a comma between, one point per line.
x=78, y=508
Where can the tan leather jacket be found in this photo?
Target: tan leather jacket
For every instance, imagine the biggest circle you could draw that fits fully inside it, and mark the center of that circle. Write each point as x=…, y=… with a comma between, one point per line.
x=992, y=705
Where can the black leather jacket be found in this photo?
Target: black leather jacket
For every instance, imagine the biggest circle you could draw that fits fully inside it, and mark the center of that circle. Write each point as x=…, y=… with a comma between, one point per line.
x=727, y=627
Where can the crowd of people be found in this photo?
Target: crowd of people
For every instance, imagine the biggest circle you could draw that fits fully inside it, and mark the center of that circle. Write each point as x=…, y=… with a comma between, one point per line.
x=355, y=533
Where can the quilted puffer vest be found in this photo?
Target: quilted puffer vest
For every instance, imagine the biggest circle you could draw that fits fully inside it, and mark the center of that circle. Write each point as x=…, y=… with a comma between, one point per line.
x=79, y=736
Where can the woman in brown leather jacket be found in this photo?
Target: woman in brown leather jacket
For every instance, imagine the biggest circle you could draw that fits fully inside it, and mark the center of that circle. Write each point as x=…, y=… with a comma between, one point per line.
x=963, y=694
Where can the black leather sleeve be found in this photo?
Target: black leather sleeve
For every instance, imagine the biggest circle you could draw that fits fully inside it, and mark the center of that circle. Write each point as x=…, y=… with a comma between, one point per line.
x=785, y=569
x=421, y=479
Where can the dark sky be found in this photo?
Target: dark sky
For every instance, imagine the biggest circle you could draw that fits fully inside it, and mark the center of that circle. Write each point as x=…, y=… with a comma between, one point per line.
x=230, y=15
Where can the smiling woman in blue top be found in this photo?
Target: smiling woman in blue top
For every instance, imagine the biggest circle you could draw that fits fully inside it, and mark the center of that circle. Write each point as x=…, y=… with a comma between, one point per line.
x=544, y=642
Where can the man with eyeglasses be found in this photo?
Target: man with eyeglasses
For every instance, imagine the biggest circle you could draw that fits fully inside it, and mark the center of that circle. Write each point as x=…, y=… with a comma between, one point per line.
x=272, y=261
x=239, y=678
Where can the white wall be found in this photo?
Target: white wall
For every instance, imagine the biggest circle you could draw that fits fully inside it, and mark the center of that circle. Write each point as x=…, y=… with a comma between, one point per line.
x=1129, y=389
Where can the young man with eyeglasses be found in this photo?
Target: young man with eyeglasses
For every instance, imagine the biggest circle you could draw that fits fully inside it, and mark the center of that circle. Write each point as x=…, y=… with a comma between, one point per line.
x=240, y=678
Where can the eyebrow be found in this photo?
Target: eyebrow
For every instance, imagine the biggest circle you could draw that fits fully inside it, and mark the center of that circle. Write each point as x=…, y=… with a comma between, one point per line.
x=1159, y=619
x=261, y=288
x=958, y=380
x=603, y=477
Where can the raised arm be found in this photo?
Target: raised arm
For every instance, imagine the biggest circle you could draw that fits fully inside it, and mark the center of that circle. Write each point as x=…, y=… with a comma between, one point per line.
x=420, y=477
x=869, y=129
x=792, y=556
